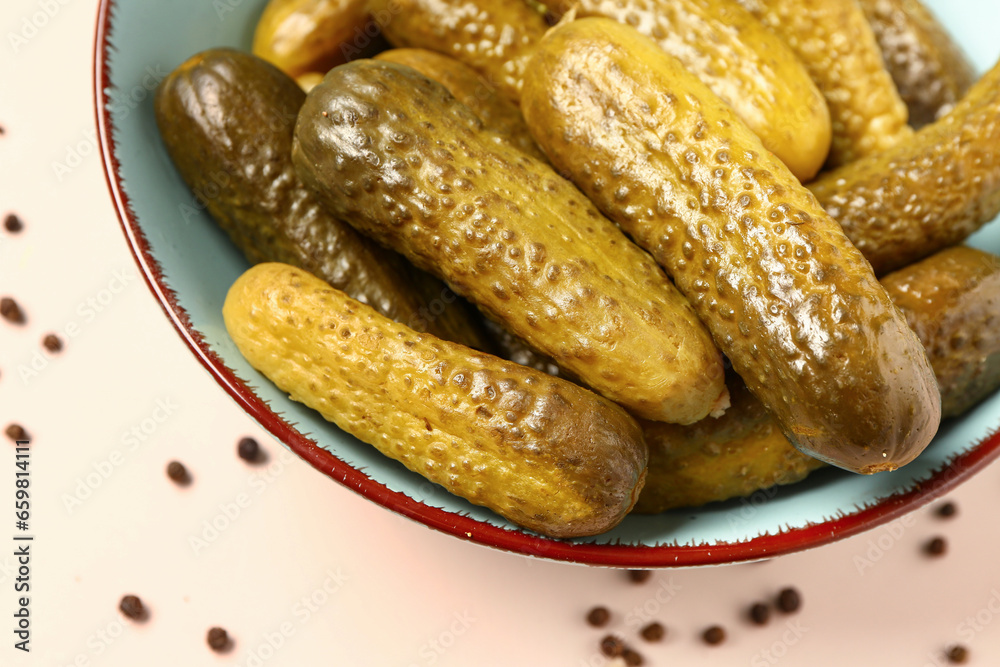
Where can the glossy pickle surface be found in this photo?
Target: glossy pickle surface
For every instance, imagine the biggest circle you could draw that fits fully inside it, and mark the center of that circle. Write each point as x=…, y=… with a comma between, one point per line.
x=835, y=42
x=494, y=37
x=300, y=36
x=788, y=299
x=227, y=118
x=925, y=194
x=950, y=299
x=741, y=61
x=471, y=89
x=395, y=153
x=930, y=70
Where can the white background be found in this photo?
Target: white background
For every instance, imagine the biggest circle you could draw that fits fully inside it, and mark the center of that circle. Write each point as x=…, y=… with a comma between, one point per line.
x=385, y=591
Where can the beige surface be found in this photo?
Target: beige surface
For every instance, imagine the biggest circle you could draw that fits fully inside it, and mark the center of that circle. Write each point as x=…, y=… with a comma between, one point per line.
x=402, y=594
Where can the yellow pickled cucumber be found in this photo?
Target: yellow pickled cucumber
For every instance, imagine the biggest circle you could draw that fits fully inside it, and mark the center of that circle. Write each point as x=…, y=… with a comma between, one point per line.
x=540, y=451
x=925, y=194
x=309, y=80
x=741, y=61
x=494, y=37
x=836, y=44
x=741, y=452
x=300, y=36
x=514, y=349
x=930, y=70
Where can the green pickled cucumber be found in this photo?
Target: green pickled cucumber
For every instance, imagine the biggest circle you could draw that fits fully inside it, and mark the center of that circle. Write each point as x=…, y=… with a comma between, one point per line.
x=394, y=153
x=227, y=118
x=951, y=300
x=789, y=300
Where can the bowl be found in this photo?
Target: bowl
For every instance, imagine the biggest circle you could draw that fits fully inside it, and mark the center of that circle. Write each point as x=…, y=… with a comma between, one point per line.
x=189, y=265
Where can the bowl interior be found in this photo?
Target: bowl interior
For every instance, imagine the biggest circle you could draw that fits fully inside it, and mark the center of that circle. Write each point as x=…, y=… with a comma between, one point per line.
x=190, y=264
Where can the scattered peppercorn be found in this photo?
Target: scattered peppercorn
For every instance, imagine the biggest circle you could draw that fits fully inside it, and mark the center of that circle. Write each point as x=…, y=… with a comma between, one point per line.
x=132, y=607
x=947, y=510
x=598, y=616
x=936, y=547
x=52, y=343
x=248, y=449
x=177, y=472
x=632, y=657
x=218, y=639
x=714, y=635
x=789, y=600
x=639, y=576
x=16, y=432
x=760, y=613
x=958, y=654
x=12, y=223
x=612, y=647
x=653, y=632
x=11, y=311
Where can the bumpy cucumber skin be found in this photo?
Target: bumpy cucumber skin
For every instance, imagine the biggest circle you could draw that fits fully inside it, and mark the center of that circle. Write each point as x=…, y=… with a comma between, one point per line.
x=927, y=194
x=741, y=452
x=952, y=301
x=741, y=61
x=494, y=37
x=395, y=153
x=470, y=88
x=300, y=36
x=788, y=299
x=836, y=44
x=540, y=451
x=227, y=118
x=930, y=70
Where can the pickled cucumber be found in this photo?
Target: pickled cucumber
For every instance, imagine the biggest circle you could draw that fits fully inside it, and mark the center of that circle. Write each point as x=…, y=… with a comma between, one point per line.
x=925, y=194
x=471, y=89
x=540, y=451
x=951, y=300
x=494, y=37
x=931, y=71
x=226, y=118
x=394, y=153
x=789, y=300
x=741, y=61
x=836, y=44
x=300, y=36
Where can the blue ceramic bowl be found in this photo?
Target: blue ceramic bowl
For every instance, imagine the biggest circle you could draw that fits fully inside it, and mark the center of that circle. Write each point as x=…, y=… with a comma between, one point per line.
x=189, y=265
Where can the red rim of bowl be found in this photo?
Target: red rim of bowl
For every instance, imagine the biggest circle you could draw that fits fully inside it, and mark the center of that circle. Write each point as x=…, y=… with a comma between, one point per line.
x=463, y=527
